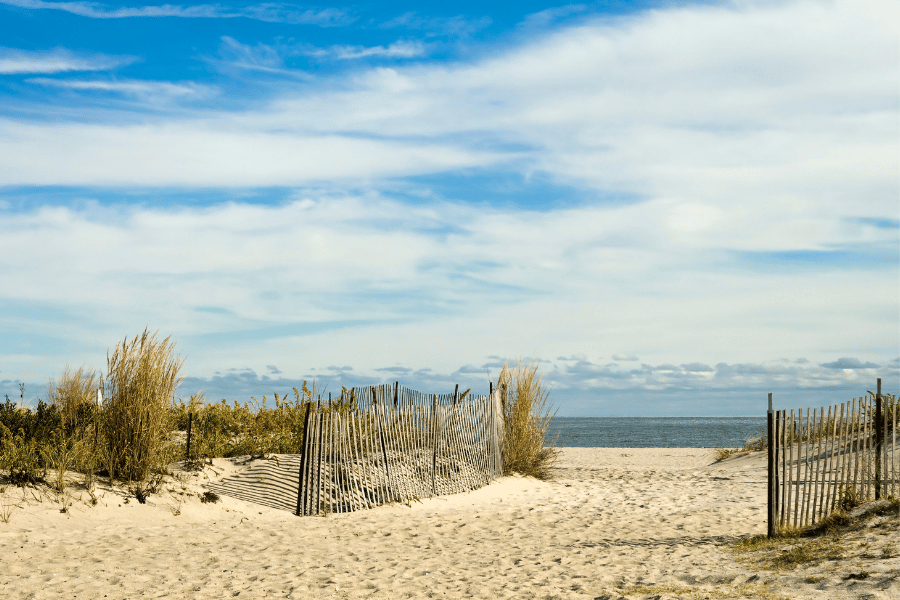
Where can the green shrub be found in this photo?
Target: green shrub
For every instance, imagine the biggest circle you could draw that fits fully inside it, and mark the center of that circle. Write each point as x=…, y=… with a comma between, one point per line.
x=38, y=424
x=23, y=435
x=21, y=457
x=60, y=453
x=252, y=428
x=526, y=420
x=137, y=407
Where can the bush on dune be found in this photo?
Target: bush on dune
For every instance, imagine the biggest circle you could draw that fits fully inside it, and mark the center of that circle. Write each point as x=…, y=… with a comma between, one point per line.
x=527, y=417
x=74, y=396
x=137, y=408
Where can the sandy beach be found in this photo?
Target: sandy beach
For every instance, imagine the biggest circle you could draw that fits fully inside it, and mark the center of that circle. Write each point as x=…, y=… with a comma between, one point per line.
x=616, y=522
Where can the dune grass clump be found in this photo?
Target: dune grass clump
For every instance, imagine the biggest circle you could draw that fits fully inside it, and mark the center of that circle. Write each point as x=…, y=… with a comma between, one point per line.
x=137, y=408
x=752, y=444
x=527, y=417
x=74, y=396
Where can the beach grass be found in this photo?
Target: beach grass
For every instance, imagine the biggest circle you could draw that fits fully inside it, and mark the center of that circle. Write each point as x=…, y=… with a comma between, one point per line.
x=752, y=444
x=137, y=417
x=527, y=415
x=832, y=539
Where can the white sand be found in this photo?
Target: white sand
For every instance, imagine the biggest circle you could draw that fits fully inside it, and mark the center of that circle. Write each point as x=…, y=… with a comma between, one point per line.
x=643, y=523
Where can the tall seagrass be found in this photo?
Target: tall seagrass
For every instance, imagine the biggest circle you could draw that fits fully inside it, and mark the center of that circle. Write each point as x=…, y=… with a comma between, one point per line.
x=526, y=421
x=140, y=383
x=73, y=394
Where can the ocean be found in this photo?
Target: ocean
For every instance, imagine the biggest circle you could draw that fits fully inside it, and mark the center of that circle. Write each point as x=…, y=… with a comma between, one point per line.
x=654, y=432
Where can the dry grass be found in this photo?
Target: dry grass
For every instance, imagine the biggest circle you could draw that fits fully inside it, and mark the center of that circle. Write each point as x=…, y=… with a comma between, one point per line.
x=758, y=591
x=832, y=539
x=73, y=394
x=527, y=417
x=141, y=380
x=6, y=506
x=751, y=445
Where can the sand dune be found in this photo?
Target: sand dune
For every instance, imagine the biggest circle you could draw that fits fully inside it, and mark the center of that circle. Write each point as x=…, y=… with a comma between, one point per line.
x=633, y=523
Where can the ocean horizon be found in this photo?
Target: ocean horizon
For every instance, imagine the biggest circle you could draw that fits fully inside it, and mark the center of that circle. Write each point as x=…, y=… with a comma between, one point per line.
x=654, y=432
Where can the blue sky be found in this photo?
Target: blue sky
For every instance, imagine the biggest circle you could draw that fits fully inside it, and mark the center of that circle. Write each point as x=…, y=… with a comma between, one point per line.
x=672, y=207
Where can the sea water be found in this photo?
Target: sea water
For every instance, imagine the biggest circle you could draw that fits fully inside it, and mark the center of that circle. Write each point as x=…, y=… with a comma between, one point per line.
x=654, y=432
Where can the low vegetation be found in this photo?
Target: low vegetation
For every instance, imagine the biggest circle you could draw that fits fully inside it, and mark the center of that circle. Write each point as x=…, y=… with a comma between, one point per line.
x=752, y=444
x=253, y=428
x=755, y=590
x=527, y=415
x=137, y=416
x=838, y=537
x=134, y=429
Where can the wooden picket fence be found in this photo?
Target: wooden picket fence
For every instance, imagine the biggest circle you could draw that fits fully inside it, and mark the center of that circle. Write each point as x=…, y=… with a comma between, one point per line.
x=396, y=445
x=820, y=461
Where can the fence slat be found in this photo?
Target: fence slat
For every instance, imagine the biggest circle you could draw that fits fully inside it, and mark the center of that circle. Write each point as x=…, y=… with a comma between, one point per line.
x=804, y=510
x=832, y=480
x=895, y=484
x=821, y=462
x=845, y=448
x=320, y=426
x=792, y=490
x=866, y=469
x=304, y=458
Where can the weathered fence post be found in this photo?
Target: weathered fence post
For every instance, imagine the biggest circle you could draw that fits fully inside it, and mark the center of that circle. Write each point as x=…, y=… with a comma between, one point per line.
x=776, y=501
x=434, y=439
x=770, y=439
x=301, y=509
x=879, y=440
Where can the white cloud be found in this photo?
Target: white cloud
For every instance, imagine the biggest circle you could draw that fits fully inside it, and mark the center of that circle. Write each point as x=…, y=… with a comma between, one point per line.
x=132, y=87
x=274, y=12
x=200, y=154
x=259, y=57
x=455, y=26
x=59, y=60
x=754, y=127
x=550, y=16
x=282, y=280
x=399, y=49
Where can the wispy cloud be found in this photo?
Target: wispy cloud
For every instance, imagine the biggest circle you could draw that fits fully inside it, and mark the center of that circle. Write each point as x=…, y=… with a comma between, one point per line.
x=273, y=12
x=550, y=16
x=132, y=87
x=438, y=26
x=399, y=49
x=262, y=57
x=206, y=153
x=58, y=60
x=271, y=58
